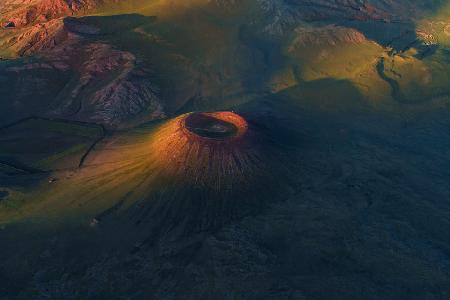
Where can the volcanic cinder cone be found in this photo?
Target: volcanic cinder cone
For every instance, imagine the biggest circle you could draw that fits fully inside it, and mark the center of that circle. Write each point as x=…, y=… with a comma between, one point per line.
x=214, y=167
x=213, y=151
x=192, y=173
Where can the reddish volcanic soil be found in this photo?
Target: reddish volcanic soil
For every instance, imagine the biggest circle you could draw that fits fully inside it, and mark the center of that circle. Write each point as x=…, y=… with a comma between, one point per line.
x=45, y=10
x=216, y=150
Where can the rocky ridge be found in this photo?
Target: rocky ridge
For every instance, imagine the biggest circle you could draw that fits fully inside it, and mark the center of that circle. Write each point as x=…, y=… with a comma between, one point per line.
x=108, y=86
x=24, y=13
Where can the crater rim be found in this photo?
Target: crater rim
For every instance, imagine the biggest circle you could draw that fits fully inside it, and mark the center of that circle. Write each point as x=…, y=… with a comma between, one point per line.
x=215, y=126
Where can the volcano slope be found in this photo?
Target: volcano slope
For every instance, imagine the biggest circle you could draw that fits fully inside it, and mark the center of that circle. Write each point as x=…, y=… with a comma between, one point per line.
x=193, y=172
x=155, y=149
x=168, y=185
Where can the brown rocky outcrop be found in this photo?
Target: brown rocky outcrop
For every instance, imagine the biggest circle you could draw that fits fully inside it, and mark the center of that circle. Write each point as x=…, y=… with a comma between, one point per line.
x=32, y=12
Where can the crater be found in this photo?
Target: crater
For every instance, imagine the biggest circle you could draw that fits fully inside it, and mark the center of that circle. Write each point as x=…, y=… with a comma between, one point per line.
x=9, y=24
x=215, y=126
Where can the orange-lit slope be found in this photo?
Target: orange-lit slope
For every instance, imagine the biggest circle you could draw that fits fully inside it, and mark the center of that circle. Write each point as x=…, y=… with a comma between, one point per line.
x=219, y=157
x=198, y=169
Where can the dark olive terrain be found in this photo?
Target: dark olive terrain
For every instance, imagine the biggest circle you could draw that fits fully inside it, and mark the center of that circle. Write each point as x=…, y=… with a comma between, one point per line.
x=222, y=149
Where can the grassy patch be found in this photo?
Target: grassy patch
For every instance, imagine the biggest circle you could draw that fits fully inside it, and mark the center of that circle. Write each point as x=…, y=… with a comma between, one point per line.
x=46, y=145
